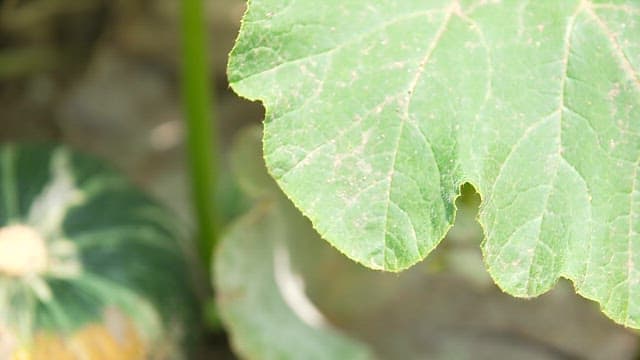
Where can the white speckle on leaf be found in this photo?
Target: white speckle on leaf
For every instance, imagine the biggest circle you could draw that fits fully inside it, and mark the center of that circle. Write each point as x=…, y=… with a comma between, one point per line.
x=364, y=166
x=614, y=92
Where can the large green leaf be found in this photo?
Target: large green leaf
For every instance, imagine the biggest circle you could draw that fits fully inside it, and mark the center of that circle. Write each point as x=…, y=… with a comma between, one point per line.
x=377, y=112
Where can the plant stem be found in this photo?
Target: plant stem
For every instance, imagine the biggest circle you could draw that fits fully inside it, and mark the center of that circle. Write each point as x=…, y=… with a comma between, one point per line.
x=198, y=99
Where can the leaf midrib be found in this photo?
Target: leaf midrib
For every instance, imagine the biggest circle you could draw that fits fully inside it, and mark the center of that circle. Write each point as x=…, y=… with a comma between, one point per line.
x=405, y=117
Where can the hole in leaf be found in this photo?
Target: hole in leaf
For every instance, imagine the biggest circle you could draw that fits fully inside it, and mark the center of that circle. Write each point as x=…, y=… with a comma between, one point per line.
x=460, y=251
x=466, y=229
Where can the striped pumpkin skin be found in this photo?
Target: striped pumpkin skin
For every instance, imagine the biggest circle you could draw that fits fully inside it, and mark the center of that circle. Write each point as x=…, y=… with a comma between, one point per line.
x=84, y=252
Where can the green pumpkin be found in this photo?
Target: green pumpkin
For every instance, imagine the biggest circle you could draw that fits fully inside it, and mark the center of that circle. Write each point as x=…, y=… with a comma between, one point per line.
x=90, y=267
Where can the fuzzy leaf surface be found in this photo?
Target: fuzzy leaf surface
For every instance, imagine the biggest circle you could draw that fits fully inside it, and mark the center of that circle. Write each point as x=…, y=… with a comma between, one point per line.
x=378, y=111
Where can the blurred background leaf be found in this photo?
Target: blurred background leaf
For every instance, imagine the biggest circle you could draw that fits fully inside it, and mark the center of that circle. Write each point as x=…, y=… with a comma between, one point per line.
x=260, y=300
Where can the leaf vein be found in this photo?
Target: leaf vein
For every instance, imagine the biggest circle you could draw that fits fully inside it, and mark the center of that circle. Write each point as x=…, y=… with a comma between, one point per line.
x=405, y=117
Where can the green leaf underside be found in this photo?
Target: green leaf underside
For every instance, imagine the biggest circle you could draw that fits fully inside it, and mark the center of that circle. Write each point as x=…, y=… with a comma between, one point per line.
x=127, y=247
x=261, y=322
x=378, y=111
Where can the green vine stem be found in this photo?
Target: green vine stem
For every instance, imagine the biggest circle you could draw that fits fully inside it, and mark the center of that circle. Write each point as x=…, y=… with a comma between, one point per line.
x=198, y=99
